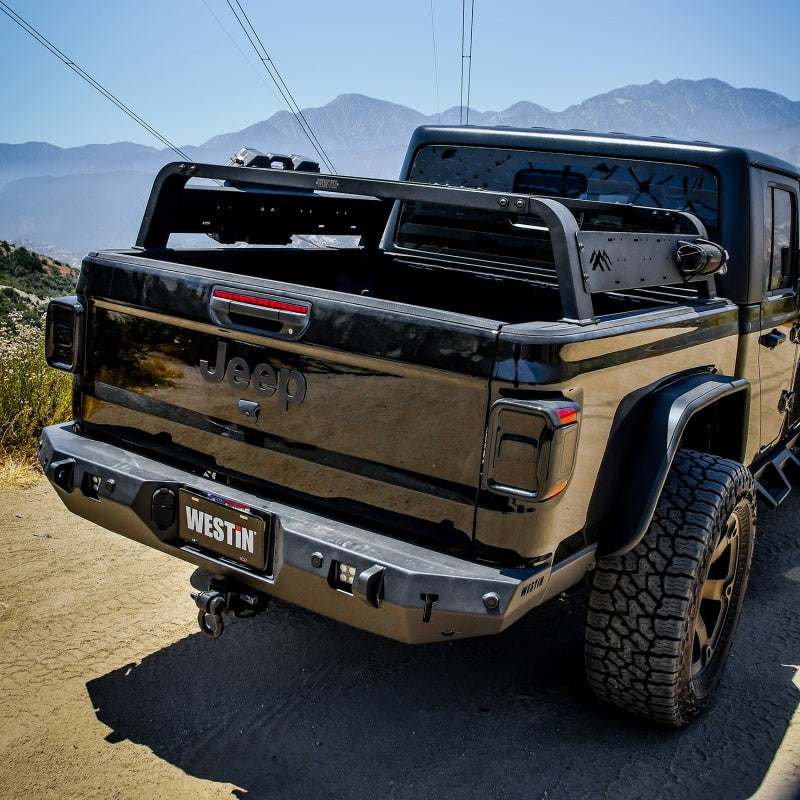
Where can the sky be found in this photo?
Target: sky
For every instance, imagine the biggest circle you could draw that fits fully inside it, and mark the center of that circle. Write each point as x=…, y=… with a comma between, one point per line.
x=186, y=68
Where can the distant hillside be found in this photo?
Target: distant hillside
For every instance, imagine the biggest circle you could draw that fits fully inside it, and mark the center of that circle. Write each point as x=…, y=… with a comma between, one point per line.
x=27, y=281
x=75, y=213
x=91, y=197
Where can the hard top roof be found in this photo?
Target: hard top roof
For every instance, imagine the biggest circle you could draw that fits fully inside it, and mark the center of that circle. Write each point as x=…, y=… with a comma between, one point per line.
x=619, y=145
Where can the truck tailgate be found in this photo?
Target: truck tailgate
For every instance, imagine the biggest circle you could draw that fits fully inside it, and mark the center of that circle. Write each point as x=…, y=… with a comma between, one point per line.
x=374, y=410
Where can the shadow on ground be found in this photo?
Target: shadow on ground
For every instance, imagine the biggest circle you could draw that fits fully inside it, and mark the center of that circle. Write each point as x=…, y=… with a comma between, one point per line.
x=293, y=705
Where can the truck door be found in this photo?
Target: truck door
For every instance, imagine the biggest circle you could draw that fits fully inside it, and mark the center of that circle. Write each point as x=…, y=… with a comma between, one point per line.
x=775, y=247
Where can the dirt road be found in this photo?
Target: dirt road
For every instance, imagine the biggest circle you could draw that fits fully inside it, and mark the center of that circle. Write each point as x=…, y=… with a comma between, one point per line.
x=109, y=691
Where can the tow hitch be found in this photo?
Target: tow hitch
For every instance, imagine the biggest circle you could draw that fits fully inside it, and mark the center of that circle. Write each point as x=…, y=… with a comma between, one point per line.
x=221, y=597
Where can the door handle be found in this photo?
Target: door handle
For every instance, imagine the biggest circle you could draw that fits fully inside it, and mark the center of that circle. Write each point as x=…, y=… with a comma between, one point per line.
x=772, y=339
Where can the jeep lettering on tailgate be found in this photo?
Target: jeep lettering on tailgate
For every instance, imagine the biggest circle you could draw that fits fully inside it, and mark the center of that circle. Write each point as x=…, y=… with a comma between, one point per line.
x=287, y=385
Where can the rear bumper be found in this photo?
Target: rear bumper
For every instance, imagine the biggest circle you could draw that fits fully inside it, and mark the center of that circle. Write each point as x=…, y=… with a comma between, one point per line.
x=401, y=591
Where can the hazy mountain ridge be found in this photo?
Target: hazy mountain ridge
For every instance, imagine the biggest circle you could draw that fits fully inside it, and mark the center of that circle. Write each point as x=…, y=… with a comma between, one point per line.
x=709, y=109
x=40, y=158
x=87, y=197
x=356, y=123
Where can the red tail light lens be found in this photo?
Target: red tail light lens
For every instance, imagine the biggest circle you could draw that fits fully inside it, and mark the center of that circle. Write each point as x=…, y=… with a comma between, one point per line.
x=260, y=302
x=567, y=415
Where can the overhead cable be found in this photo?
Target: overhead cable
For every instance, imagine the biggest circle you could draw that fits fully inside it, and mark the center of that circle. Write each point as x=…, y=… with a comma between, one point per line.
x=466, y=57
x=233, y=41
x=435, y=66
x=45, y=42
x=280, y=84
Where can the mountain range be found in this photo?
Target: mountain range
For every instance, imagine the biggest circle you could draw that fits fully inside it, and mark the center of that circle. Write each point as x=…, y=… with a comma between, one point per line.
x=66, y=201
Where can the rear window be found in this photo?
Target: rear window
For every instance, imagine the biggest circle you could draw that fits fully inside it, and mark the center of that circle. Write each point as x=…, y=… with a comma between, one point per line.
x=427, y=227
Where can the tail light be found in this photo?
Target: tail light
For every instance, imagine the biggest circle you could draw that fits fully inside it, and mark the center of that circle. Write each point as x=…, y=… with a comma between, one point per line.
x=531, y=447
x=64, y=333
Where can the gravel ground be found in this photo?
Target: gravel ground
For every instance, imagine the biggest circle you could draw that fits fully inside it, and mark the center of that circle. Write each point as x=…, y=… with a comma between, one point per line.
x=109, y=691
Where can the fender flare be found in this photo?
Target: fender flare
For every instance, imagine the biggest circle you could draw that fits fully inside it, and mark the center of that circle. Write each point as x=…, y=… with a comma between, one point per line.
x=645, y=435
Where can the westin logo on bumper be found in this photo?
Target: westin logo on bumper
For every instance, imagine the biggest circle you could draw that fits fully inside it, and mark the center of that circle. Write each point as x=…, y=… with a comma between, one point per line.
x=205, y=524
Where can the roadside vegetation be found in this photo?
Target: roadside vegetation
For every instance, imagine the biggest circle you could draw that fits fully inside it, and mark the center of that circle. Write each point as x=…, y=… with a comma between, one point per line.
x=31, y=394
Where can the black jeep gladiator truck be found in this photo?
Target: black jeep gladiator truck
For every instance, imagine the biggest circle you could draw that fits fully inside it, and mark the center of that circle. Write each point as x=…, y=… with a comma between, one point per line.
x=425, y=407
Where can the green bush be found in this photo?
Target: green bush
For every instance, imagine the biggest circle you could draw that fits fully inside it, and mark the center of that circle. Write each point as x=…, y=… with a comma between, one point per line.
x=28, y=311
x=32, y=395
x=28, y=272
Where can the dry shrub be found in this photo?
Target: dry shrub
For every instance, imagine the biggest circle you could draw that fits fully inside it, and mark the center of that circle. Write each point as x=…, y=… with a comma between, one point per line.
x=32, y=395
x=19, y=470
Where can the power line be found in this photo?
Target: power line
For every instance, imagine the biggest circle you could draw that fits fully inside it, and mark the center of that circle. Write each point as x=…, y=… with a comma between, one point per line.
x=45, y=42
x=280, y=84
x=233, y=41
x=435, y=66
x=466, y=56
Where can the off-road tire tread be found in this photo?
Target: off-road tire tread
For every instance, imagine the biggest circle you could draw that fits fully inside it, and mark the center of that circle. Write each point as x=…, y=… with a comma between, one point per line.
x=641, y=603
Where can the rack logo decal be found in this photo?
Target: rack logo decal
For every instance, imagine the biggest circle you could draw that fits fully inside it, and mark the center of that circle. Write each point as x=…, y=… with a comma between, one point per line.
x=600, y=260
x=287, y=386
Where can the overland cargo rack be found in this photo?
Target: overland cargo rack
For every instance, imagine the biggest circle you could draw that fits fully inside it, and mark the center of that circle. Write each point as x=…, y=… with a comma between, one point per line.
x=624, y=248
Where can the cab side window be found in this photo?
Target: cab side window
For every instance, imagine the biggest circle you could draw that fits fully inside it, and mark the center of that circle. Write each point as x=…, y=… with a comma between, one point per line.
x=782, y=242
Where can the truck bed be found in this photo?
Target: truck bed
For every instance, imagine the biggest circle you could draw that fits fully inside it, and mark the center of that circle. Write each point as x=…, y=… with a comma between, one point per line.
x=429, y=283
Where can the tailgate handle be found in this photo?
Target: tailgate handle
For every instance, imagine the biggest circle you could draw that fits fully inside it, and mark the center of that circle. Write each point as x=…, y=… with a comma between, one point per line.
x=227, y=307
x=279, y=316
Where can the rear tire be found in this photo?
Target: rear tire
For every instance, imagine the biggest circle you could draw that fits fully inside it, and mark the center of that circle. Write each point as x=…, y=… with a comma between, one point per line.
x=662, y=617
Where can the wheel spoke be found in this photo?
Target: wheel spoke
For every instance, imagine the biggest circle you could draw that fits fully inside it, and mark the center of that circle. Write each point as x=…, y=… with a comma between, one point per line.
x=722, y=546
x=715, y=590
x=724, y=558
x=700, y=645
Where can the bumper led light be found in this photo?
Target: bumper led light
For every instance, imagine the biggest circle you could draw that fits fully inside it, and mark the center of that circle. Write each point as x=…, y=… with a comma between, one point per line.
x=344, y=576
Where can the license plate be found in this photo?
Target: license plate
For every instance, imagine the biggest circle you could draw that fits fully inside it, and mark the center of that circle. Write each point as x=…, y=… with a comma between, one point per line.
x=224, y=527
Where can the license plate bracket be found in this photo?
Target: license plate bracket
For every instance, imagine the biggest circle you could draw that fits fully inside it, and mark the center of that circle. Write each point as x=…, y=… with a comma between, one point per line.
x=224, y=527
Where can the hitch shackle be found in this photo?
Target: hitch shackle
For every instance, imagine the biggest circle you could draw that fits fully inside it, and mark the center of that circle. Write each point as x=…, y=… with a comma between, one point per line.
x=220, y=597
x=211, y=604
